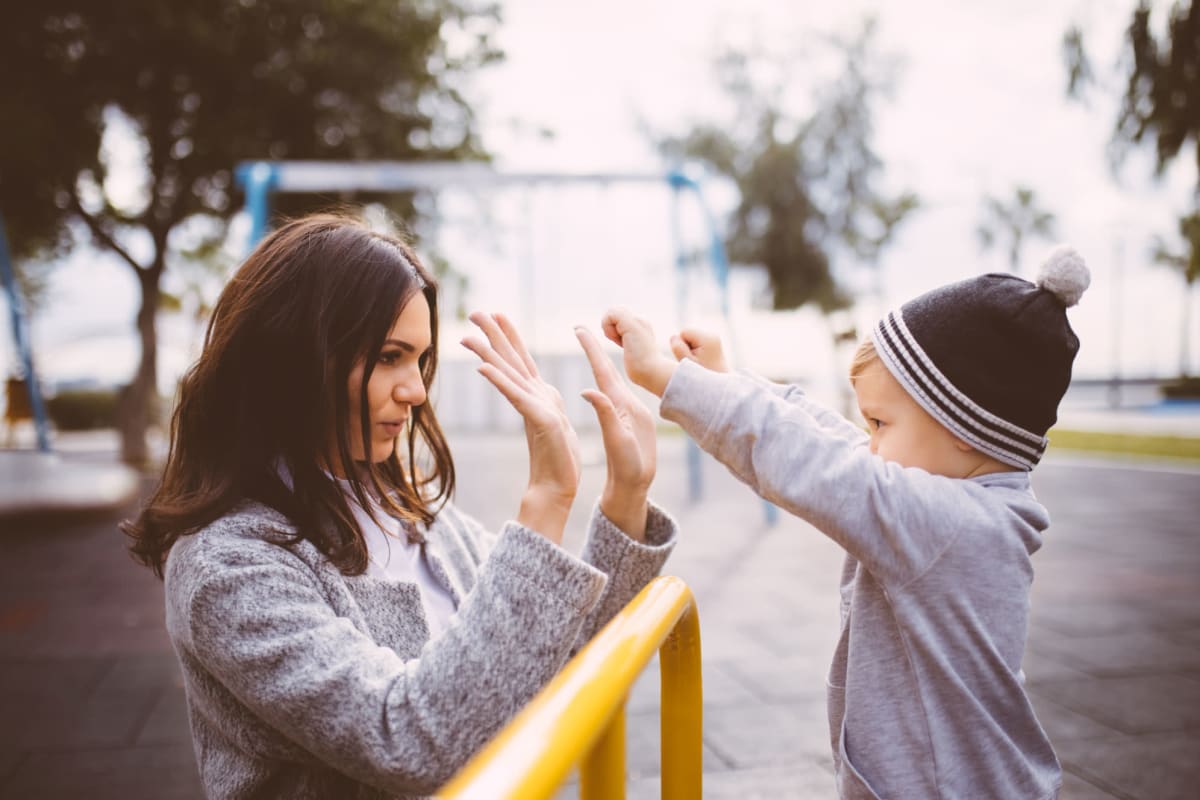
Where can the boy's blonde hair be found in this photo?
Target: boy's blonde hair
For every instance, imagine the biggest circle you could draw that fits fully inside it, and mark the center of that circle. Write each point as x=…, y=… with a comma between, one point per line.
x=863, y=358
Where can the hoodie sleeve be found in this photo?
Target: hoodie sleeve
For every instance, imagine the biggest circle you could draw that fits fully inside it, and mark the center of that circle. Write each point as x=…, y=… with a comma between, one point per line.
x=894, y=520
x=827, y=418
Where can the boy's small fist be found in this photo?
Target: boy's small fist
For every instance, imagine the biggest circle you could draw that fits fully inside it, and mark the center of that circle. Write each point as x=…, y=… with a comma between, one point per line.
x=701, y=346
x=645, y=365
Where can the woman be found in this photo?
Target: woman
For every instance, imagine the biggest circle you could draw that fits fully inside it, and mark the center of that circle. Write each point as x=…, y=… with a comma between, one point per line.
x=343, y=629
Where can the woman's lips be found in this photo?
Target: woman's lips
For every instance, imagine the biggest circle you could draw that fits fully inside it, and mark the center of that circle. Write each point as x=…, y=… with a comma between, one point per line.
x=392, y=428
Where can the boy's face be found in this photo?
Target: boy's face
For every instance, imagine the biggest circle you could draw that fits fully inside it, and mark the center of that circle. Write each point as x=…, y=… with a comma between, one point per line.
x=903, y=432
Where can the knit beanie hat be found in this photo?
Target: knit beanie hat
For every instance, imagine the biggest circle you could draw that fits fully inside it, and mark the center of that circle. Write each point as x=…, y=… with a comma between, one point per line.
x=990, y=357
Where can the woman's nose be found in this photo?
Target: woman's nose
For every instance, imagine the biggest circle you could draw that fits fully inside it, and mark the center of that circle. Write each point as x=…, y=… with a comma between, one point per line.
x=411, y=390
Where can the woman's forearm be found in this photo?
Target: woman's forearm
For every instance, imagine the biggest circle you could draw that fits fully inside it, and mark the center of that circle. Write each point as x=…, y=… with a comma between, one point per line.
x=545, y=511
x=626, y=508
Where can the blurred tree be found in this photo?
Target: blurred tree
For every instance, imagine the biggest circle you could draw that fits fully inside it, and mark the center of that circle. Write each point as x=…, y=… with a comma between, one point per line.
x=1160, y=101
x=1185, y=260
x=808, y=185
x=1010, y=225
x=129, y=116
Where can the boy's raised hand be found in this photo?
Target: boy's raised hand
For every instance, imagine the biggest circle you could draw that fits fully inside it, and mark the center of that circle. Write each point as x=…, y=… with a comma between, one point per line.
x=703, y=347
x=644, y=363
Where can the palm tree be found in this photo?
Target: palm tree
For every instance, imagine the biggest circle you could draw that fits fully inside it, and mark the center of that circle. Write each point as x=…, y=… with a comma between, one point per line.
x=1187, y=262
x=1013, y=223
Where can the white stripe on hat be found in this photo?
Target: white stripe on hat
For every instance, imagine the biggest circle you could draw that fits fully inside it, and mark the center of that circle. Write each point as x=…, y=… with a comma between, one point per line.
x=912, y=367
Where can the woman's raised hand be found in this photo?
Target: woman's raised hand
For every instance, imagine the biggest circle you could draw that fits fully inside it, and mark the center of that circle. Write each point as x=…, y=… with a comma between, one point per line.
x=553, y=443
x=630, y=447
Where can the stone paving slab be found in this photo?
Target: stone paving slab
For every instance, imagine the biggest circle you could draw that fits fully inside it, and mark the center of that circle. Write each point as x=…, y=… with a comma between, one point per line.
x=37, y=483
x=93, y=705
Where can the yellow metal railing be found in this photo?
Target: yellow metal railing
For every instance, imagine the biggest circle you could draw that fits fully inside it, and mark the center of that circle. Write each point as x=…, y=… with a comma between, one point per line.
x=579, y=718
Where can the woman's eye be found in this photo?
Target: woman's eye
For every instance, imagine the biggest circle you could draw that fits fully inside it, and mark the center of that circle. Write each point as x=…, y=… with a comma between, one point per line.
x=875, y=423
x=388, y=359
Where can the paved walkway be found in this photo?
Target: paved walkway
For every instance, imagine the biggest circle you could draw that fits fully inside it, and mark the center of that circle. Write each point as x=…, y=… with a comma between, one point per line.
x=93, y=707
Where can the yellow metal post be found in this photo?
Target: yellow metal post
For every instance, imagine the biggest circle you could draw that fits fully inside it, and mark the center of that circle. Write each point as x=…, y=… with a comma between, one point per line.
x=602, y=773
x=682, y=710
x=579, y=718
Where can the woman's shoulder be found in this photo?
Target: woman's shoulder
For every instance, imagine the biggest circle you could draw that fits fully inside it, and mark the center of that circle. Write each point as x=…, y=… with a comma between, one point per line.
x=250, y=531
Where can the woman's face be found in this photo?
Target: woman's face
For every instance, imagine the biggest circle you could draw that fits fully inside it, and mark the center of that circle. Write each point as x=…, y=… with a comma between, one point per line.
x=395, y=385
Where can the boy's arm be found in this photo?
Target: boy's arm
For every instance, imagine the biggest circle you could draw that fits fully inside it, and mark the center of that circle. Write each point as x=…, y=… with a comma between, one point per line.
x=827, y=418
x=895, y=521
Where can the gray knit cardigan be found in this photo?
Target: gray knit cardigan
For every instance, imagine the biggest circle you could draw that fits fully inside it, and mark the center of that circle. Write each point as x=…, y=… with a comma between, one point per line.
x=304, y=683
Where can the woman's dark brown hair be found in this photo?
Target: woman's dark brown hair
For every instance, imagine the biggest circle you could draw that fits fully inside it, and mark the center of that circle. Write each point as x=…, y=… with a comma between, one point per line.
x=259, y=411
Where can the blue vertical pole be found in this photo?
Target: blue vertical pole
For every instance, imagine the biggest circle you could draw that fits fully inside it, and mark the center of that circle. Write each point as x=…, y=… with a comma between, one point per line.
x=678, y=181
x=21, y=337
x=720, y=264
x=257, y=179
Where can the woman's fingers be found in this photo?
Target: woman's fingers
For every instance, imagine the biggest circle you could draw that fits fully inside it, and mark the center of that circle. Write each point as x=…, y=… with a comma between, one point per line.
x=606, y=412
x=515, y=395
x=489, y=356
x=498, y=340
x=606, y=375
x=614, y=434
x=518, y=344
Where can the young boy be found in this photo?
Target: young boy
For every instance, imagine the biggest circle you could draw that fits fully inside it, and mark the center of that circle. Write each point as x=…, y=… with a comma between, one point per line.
x=934, y=509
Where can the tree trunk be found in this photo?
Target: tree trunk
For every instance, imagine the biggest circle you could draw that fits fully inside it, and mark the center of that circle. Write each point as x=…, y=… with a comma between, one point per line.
x=139, y=402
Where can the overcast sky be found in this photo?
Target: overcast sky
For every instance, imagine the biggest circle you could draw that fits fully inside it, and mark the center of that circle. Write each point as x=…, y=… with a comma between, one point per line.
x=979, y=108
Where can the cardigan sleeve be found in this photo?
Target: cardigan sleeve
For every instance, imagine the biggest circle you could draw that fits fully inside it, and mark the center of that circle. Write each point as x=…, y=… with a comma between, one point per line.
x=257, y=620
x=629, y=564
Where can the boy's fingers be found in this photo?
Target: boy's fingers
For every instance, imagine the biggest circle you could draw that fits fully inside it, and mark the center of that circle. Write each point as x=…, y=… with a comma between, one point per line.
x=610, y=326
x=694, y=337
x=679, y=348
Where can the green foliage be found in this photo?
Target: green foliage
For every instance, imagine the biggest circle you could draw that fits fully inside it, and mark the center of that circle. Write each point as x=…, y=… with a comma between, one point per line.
x=205, y=85
x=1185, y=261
x=197, y=87
x=1010, y=224
x=1160, y=101
x=1182, y=389
x=808, y=185
x=81, y=410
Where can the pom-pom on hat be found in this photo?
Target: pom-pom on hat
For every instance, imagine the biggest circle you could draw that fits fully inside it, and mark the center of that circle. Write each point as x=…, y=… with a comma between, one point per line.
x=990, y=357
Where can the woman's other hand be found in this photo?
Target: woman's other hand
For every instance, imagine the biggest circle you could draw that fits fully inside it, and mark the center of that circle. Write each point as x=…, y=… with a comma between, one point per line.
x=703, y=347
x=630, y=445
x=552, y=442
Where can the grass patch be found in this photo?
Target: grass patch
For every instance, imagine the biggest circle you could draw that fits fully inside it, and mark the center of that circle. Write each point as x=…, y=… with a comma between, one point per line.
x=1134, y=444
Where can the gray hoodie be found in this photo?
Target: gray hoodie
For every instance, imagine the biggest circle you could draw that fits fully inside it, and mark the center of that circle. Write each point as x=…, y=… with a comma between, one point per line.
x=926, y=696
x=304, y=683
